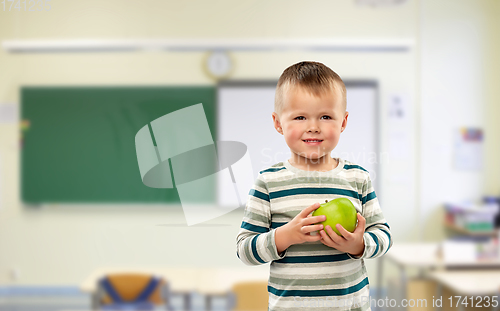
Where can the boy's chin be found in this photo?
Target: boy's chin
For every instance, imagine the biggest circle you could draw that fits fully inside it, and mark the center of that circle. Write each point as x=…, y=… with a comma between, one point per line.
x=315, y=158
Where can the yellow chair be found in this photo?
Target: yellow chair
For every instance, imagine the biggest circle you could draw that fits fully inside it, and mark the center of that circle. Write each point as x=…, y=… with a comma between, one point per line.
x=250, y=296
x=132, y=291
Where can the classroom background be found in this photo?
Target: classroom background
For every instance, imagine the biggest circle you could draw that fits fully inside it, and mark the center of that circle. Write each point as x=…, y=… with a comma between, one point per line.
x=427, y=70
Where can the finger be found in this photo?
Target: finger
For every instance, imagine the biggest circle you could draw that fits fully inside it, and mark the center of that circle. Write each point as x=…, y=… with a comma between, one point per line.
x=325, y=243
x=334, y=236
x=361, y=219
x=327, y=238
x=324, y=236
x=307, y=229
x=361, y=224
x=308, y=210
x=346, y=234
x=330, y=244
x=313, y=238
x=313, y=220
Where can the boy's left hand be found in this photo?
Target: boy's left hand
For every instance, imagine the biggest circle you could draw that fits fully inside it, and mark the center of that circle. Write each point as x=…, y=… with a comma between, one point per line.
x=352, y=243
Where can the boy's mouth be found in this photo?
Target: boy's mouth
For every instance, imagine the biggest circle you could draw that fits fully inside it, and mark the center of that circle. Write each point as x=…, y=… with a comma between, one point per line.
x=312, y=141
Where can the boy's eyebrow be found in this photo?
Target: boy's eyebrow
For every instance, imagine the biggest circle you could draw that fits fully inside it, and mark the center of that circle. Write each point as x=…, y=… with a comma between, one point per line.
x=321, y=112
x=307, y=112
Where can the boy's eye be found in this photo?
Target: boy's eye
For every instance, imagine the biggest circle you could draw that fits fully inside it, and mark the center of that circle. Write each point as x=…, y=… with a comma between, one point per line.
x=298, y=118
x=327, y=117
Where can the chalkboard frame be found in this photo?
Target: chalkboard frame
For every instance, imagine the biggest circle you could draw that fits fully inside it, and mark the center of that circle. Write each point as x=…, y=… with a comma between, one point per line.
x=66, y=131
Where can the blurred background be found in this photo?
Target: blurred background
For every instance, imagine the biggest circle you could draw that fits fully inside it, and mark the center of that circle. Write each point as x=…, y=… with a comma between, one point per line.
x=78, y=79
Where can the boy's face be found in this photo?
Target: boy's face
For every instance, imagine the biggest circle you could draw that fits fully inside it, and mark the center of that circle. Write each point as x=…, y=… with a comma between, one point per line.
x=308, y=117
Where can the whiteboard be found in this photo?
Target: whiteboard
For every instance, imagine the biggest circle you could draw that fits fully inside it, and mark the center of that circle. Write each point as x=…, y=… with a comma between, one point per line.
x=245, y=114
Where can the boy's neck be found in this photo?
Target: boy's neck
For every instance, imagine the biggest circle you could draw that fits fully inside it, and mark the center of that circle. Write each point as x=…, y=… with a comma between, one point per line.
x=326, y=163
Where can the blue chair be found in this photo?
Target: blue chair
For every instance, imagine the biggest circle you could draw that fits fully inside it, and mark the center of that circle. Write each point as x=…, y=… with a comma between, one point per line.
x=132, y=291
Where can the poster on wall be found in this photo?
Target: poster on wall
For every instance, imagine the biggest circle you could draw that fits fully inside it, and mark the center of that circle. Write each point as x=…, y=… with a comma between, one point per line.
x=468, y=149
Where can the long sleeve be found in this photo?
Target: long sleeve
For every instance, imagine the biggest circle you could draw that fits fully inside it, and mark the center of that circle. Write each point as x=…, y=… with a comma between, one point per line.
x=255, y=243
x=377, y=236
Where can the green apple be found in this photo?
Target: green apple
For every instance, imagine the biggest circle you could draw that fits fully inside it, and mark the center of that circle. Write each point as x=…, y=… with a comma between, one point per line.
x=338, y=211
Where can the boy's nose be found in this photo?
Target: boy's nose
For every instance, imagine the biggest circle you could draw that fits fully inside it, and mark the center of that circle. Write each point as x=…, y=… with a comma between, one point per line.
x=313, y=128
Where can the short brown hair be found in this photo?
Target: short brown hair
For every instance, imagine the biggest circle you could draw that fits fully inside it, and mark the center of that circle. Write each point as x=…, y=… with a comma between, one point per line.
x=313, y=76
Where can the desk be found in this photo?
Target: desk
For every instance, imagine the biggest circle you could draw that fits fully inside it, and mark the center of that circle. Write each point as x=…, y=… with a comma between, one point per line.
x=210, y=282
x=421, y=255
x=407, y=255
x=424, y=256
x=218, y=282
x=469, y=283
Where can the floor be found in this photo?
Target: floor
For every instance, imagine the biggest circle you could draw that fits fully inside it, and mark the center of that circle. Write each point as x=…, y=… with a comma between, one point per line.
x=72, y=299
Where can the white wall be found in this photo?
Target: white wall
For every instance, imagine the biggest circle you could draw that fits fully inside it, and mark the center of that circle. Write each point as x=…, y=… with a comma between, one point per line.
x=61, y=244
x=459, y=79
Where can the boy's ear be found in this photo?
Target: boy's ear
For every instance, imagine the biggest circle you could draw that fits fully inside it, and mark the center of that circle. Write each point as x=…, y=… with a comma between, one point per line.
x=277, y=123
x=344, y=122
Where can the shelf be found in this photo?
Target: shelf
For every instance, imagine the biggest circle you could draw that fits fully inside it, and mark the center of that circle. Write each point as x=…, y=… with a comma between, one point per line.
x=200, y=44
x=461, y=230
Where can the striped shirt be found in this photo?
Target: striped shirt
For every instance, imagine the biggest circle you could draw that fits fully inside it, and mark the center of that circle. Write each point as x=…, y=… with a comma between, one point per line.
x=311, y=275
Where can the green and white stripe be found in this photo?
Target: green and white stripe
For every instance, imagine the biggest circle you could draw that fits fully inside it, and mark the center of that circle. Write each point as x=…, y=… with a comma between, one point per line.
x=311, y=275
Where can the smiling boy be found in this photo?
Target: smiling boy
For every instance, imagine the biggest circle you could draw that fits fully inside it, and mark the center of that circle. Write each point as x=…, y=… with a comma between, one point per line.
x=312, y=271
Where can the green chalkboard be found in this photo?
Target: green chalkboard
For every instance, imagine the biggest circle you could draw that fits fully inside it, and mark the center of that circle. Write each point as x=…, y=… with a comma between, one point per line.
x=78, y=143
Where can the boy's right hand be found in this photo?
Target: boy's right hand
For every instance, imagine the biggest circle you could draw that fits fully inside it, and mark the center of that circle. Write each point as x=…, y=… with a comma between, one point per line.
x=299, y=229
